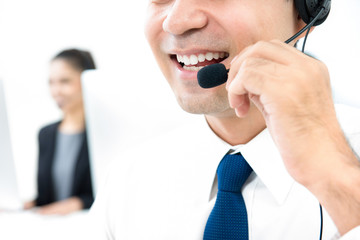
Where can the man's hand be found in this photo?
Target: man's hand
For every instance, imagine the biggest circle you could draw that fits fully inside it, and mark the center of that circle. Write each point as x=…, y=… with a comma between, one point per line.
x=292, y=90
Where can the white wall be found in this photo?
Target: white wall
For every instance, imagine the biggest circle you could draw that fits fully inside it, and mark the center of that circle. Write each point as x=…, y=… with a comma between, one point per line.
x=31, y=32
x=337, y=43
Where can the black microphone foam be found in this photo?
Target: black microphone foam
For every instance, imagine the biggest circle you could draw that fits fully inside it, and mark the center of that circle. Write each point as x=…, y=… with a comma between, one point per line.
x=212, y=75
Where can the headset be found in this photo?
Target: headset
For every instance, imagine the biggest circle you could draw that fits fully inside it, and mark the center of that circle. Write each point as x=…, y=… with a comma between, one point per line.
x=313, y=13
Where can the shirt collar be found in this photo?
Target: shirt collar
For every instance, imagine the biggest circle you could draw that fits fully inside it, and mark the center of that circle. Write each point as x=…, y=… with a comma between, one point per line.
x=264, y=158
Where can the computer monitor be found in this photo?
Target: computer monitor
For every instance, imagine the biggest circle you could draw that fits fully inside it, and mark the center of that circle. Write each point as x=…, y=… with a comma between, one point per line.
x=9, y=195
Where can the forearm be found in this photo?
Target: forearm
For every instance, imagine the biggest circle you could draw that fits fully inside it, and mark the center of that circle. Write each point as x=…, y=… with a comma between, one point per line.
x=63, y=207
x=339, y=190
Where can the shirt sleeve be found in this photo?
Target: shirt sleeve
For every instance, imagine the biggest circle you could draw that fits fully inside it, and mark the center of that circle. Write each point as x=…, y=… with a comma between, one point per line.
x=99, y=227
x=100, y=213
x=354, y=234
x=108, y=205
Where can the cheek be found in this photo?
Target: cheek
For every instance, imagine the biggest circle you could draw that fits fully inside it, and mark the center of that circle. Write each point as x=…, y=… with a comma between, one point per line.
x=251, y=23
x=52, y=91
x=56, y=90
x=266, y=23
x=75, y=91
x=153, y=26
x=245, y=30
x=71, y=90
x=156, y=37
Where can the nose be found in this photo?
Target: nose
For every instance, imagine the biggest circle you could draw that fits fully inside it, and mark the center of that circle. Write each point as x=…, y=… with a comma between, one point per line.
x=184, y=15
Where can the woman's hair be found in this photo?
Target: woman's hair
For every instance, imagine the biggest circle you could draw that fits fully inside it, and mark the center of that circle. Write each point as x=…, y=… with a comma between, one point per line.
x=79, y=59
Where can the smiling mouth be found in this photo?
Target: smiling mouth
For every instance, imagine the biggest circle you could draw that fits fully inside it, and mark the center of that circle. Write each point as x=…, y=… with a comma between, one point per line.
x=195, y=62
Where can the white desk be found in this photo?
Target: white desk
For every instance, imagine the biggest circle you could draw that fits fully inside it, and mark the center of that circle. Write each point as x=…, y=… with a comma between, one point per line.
x=28, y=225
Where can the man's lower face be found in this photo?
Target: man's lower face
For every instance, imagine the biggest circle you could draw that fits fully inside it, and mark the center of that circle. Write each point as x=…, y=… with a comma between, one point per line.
x=203, y=101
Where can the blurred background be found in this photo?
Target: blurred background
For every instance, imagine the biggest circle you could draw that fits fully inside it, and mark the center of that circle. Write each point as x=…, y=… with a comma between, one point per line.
x=32, y=32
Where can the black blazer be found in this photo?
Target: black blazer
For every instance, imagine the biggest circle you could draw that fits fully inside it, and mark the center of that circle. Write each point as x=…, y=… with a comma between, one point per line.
x=81, y=187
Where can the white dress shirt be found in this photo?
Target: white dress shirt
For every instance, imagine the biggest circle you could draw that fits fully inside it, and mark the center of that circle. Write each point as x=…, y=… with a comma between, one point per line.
x=166, y=189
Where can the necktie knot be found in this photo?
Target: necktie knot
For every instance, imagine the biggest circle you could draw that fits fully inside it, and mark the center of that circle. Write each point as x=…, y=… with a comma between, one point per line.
x=232, y=172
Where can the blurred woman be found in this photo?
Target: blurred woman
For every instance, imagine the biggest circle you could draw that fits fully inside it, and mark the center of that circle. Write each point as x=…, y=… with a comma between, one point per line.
x=64, y=180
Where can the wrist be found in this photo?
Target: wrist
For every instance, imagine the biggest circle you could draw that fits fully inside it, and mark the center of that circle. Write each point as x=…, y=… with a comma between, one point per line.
x=339, y=193
x=330, y=155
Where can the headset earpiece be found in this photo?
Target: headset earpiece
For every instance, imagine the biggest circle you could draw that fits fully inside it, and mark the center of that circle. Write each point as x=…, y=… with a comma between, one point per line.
x=308, y=9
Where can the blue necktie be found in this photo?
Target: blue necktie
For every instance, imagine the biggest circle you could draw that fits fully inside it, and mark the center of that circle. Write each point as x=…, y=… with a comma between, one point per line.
x=228, y=219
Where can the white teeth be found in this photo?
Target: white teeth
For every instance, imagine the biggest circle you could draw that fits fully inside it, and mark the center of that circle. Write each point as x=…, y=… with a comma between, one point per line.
x=192, y=68
x=201, y=57
x=186, y=60
x=179, y=58
x=195, y=59
x=209, y=56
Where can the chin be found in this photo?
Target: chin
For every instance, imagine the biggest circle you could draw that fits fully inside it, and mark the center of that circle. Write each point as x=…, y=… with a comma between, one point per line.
x=201, y=105
x=197, y=100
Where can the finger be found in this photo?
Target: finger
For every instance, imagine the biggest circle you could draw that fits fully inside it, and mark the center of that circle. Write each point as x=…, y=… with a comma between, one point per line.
x=242, y=110
x=261, y=50
x=257, y=102
x=275, y=51
x=258, y=76
x=237, y=92
x=237, y=100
